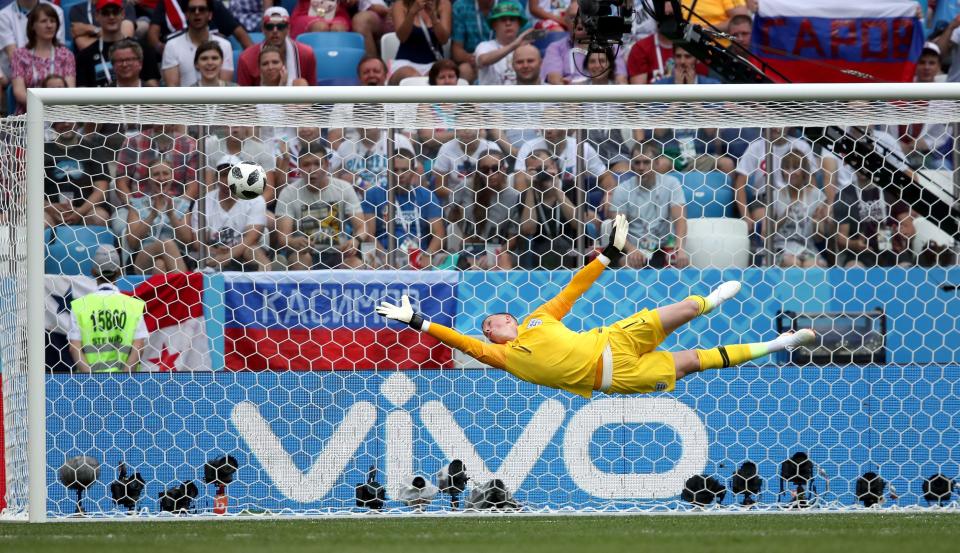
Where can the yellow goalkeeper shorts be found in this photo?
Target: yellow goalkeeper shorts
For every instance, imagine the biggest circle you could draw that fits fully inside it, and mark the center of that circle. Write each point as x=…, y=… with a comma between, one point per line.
x=637, y=367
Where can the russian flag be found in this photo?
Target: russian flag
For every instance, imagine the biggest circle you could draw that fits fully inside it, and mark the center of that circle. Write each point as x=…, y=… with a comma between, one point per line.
x=827, y=41
x=324, y=320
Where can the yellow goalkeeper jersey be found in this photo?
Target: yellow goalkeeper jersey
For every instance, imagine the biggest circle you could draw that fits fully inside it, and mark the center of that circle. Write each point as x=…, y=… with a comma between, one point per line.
x=545, y=351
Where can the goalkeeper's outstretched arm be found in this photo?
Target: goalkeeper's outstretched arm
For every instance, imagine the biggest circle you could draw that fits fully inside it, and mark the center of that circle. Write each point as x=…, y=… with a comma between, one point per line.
x=560, y=305
x=491, y=354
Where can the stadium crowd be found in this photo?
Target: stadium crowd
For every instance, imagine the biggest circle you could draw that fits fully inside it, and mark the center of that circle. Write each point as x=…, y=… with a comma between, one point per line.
x=462, y=198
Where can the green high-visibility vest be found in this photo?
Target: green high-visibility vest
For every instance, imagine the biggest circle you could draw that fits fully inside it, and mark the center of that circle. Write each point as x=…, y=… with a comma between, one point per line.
x=107, y=326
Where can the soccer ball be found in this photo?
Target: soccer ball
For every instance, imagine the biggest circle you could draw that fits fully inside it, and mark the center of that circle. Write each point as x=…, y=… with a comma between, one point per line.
x=246, y=180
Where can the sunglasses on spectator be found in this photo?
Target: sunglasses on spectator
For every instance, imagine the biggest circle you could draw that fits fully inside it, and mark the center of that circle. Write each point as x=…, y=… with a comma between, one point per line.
x=275, y=26
x=197, y=9
x=488, y=169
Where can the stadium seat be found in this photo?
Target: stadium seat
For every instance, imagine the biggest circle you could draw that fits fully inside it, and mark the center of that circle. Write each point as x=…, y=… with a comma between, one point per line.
x=928, y=232
x=66, y=5
x=707, y=194
x=236, y=64
x=257, y=38
x=11, y=101
x=717, y=242
x=549, y=39
x=389, y=44
x=331, y=40
x=71, y=250
x=339, y=81
x=338, y=62
x=289, y=5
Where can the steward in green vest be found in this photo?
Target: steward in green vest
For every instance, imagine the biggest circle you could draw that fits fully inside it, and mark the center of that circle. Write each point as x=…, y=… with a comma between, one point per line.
x=108, y=330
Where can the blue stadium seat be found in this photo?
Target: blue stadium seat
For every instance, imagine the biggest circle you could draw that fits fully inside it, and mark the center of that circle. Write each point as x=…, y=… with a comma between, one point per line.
x=289, y=5
x=339, y=81
x=549, y=39
x=257, y=38
x=11, y=101
x=72, y=247
x=236, y=64
x=66, y=5
x=331, y=40
x=707, y=194
x=338, y=62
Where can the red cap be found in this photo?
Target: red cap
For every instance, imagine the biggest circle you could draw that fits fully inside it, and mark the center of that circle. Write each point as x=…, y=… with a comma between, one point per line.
x=104, y=3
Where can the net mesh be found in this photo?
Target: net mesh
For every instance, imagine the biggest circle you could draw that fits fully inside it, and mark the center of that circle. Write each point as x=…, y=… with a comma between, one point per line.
x=266, y=384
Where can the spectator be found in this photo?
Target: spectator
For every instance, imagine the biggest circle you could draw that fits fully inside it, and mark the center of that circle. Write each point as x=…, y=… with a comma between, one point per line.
x=753, y=165
x=14, y=29
x=874, y=229
x=372, y=71
x=169, y=142
x=372, y=20
x=416, y=228
x=314, y=215
x=180, y=51
x=470, y=28
x=273, y=69
x=43, y=55
x=715, y=12
x=741, y=29
x=444, y=73
x=655, y=206
x=457, y=160
x=299, y=60
x=798, y=214
x=928, y=145
x=929, y=68
x=85, y=29
x=684, y=70
x=548, y=14
x=241, y=142
x=233, y=230
x=526, y=64
x=487, y=216
x=319, y=16
x=563, y=65
x=76, y=182
x=208, y=61
x=127, y=59
x=220, y=20
x=364, y=161
x=94, y=66
x=249, y=13
x=599, y=66
x=495, y=57
x=548, y=219
x=563, y=146
x=651, y=58
x=423, y=27
x=153, y=220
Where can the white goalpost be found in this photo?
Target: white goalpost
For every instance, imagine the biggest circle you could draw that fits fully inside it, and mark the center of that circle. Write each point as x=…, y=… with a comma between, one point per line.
x=288, y=375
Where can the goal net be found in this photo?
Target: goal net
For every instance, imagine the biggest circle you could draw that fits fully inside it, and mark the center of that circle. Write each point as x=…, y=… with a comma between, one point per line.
x=266, y=384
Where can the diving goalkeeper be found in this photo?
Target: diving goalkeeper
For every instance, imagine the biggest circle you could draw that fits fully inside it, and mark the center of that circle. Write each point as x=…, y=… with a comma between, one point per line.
x=620, y=358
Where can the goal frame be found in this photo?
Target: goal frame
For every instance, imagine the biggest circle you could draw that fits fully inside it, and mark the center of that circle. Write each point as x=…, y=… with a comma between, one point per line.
x=38, y=100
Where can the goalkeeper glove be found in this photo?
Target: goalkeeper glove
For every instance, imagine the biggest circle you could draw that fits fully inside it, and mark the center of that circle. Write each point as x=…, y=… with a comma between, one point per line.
x=403, y=312
x=618, y=239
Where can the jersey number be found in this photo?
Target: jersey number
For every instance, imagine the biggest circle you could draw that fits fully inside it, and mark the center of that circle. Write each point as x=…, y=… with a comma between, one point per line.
x=104, y=320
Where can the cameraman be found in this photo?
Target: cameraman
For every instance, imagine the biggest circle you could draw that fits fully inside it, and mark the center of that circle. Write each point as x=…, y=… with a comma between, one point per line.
x=548, y=222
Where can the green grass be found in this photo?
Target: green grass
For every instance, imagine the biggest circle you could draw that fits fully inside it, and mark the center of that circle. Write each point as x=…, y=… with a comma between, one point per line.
x=846, y=533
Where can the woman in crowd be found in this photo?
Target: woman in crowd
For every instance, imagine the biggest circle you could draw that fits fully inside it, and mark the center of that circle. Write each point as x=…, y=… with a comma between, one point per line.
x=42, y=56
x=273, y=68
x=423, y=27
x=152, y=221
x=208, y=60
x=599, y=66
x=444, y=73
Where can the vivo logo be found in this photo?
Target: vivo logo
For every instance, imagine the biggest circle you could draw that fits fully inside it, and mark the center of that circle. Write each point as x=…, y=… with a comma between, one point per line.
x=341, y=446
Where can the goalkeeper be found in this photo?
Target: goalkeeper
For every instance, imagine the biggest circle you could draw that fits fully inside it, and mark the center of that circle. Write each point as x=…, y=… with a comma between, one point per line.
x=620, y=358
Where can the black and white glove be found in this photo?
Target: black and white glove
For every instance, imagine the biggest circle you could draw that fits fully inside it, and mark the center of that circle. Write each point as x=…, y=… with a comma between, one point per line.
x=618, y=239
x=403, y=312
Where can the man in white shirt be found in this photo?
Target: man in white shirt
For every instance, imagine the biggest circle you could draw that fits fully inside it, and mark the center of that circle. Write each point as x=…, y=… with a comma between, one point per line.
x=13, y=29
x=234, y=228
x=178, y=68
x=564, y=148
x=457, y=159
x=495, y=57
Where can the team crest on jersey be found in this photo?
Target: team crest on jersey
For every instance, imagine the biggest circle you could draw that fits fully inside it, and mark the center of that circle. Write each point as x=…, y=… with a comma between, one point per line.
x=660, y=387
x=534, y=322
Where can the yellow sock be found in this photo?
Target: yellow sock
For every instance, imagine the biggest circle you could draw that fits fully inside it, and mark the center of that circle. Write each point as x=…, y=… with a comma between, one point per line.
x=701, y=301
x=728, y=356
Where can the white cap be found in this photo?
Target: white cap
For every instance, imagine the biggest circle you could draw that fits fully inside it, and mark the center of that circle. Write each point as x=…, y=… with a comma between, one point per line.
x=276, y=12
x=932, y=46
x=106, y=260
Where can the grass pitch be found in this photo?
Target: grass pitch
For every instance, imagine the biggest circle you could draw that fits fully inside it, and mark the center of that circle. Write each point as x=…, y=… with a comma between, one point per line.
x=846, y=533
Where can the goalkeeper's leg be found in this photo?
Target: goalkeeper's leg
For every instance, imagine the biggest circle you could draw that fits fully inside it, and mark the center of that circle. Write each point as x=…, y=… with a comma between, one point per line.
x=692, y=361
x=680, y=313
